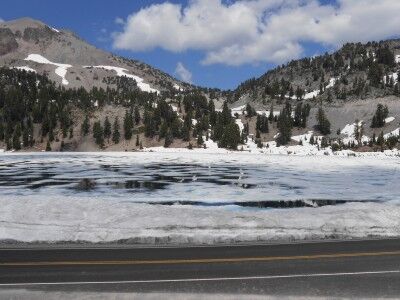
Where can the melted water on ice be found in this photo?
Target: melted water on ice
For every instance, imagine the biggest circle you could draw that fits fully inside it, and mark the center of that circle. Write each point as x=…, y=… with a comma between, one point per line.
x=201, y=178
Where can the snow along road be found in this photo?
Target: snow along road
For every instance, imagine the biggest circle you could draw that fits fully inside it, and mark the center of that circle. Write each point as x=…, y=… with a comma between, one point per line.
x=369, y=268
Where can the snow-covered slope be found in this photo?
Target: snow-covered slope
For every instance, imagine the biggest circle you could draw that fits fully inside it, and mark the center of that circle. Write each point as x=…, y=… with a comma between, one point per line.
x=61, y=69
x=123, y=72
x=62, y=55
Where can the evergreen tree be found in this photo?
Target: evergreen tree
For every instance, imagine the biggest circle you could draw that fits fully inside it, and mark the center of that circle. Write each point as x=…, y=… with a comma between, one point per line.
x=381, y=113
x=25, y=137
x=98, y=134
x=226, y=115
x=107, y=128
x=137, y=115
x=16, y=142
x=85, y=126
x=324, y=142
x=116, y=135
x=250, y=111
x=262, y=123
x=128, y=125
x=375, y=74
x=163, y=130
x=324, y=126
x=137, y=141
x=230, y=137
x=284, y=125
x=168, y=139
x=381, y=140
x=48, y=146
x=200, y=140
x=271, y=113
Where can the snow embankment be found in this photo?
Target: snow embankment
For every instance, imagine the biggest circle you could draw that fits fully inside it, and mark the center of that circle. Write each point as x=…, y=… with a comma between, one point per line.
x=61, y=69
x=145, y=87
x=56, y=219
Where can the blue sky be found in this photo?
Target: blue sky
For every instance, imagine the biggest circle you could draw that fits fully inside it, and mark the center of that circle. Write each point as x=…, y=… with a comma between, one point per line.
x=262, y=36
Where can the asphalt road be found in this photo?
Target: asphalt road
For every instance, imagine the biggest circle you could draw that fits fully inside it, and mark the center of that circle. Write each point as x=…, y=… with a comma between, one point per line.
x=334, y=269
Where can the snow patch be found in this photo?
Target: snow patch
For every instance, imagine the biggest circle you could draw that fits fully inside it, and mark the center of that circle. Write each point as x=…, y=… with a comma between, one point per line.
x=25, y=68
x=389, y=119
x=240, y=124
x=61, y=68
x=54, y=29
x=145, y=87
x=395, y=132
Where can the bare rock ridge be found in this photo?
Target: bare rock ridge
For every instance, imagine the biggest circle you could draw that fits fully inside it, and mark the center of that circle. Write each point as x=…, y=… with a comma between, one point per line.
x=32, y=45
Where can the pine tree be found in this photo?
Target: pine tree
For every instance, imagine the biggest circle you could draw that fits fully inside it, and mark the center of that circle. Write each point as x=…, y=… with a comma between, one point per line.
x=324, y=142
x=85, y=126
x=16, y=143
x=107, y=128
x=25, y=137
x=98, y=134
x=2, y=129
x=298, y=115
x=375, y=74
x=271, y=113
x=200, y=140
x=116, y=135
x=284, y=125
x=137, y=115
x=128, y=125
x=230, y=137
x=48, y=146
x=137, y=141
x=250, y=111
x=381, y=140
x=324, y=126
x=226, y=114
x=168, y=139
x=381, y=113
x=163, y=130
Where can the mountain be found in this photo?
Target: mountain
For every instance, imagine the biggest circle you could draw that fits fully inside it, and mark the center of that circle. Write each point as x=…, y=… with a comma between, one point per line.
x=355, y=71
x=70, y=61
x=59, y=93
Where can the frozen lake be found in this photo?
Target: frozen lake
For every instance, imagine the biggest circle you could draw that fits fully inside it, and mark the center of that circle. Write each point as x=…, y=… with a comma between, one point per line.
x=211, y=198
x=200, y=178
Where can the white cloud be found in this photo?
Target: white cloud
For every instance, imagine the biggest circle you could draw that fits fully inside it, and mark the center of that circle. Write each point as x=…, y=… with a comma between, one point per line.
x=183, y=73
x=251, y=31
x=1, y=20
x=119, y=21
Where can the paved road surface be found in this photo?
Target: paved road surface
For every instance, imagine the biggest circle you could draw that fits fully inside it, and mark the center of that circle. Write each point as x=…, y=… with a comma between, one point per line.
x=343, y=268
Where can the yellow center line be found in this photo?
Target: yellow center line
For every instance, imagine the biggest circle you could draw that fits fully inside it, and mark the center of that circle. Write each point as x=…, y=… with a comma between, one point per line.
x=199, y=260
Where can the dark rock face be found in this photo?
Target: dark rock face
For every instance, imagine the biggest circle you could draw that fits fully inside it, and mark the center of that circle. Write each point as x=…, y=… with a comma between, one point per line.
x=8, y=42
x=38, y=34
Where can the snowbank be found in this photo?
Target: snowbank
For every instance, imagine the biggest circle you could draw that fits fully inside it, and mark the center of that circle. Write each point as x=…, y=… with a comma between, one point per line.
x=123, y=72
x=99, y=220
x=61, y=70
